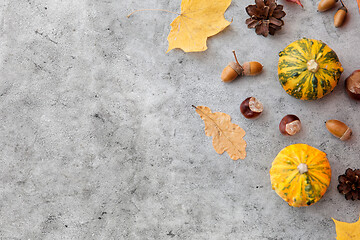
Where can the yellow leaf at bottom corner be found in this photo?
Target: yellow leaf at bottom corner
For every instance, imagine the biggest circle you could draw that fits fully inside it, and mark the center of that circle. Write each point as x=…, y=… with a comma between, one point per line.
x=227, y=136
x=347, y=231
x=199, y=19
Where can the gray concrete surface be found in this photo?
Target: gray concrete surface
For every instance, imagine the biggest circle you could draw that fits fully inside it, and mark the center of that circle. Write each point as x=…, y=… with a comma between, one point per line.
x=99, y=139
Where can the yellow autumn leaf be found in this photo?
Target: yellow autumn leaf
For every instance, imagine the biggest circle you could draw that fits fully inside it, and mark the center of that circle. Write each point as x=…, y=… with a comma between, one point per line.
x=347, y=231
x=227, y=136
x=199, y=19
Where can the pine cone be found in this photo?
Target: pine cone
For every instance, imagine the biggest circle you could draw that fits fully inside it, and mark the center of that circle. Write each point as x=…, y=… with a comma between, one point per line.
x=265, y=17
x=349, y=184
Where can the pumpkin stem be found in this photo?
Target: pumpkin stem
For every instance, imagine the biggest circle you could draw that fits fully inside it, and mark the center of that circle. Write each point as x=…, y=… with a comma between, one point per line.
x=312, y=66
x=302, y=167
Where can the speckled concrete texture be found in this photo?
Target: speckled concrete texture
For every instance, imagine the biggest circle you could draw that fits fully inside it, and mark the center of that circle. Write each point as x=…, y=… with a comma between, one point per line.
x=99, y=139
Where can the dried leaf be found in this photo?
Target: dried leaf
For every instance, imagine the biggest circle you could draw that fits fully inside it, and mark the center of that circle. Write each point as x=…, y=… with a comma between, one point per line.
x=198, y=20
x=295, y=1
x=227, y=136
x=347, y=231
x=358, y=2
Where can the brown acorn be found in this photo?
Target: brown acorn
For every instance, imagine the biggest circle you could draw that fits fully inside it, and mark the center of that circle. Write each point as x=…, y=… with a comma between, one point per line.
x=338, y=129
x=325, y=5
x=234, y=69
x=340, y=16
x=252, y=68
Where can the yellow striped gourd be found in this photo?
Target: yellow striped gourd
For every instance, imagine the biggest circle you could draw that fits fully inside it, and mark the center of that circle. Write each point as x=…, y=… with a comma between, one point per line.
x=300, y=174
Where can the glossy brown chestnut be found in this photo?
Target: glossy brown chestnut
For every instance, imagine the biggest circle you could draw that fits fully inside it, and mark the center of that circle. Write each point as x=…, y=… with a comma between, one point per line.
x=290, y=125
x=251, y=107
x=352, y=85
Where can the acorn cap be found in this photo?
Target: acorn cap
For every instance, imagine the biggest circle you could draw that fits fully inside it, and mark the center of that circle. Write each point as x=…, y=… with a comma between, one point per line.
x=237, y=68
x=346, y=135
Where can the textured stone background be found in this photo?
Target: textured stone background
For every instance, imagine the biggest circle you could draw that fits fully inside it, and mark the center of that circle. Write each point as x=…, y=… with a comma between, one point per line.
x=99, y=139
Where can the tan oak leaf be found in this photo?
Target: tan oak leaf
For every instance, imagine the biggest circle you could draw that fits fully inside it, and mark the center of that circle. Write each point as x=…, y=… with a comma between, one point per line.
x=227, y=136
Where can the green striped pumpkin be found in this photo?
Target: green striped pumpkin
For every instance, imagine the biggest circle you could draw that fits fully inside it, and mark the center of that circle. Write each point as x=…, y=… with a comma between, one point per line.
x=308, y=69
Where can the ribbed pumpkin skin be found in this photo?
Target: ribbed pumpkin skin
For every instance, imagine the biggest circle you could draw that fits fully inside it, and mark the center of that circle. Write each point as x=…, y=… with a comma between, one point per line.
x=297, y=189
x=294, y=75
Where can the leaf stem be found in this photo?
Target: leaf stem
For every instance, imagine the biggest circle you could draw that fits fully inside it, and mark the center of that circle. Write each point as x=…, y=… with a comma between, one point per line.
x=194, y=106
x=342, y=3
x=161, y=10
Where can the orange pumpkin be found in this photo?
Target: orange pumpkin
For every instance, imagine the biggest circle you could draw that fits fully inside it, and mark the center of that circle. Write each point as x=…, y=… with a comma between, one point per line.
x=300, y=174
